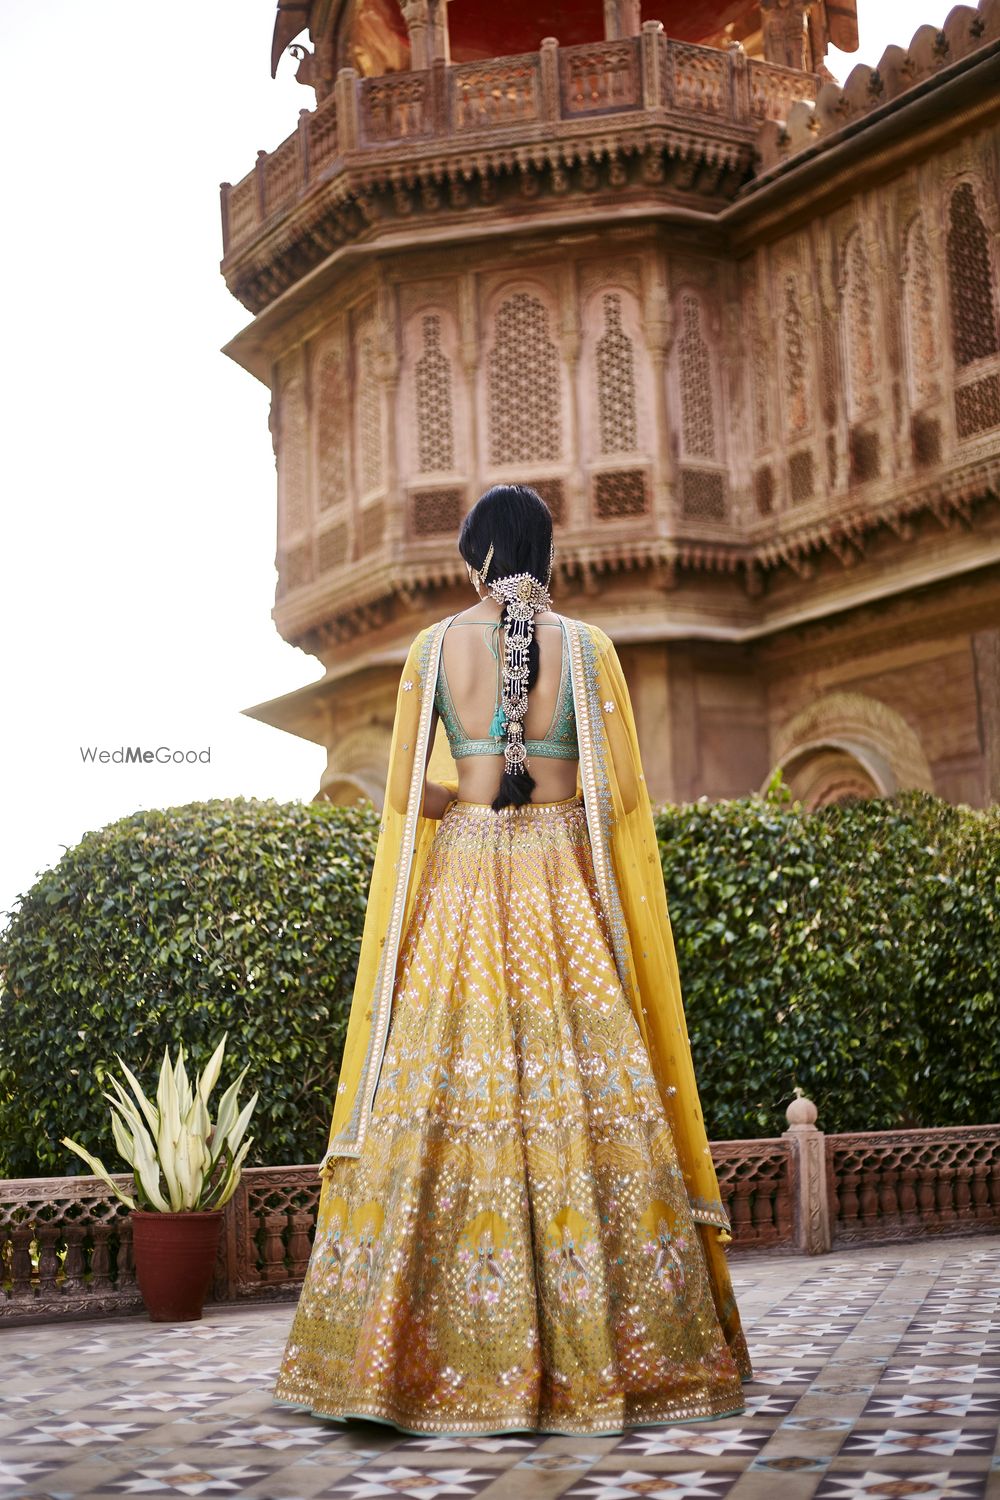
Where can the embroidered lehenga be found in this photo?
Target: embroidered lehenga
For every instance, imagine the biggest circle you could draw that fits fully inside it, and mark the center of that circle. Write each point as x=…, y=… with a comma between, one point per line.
x=519, y=1225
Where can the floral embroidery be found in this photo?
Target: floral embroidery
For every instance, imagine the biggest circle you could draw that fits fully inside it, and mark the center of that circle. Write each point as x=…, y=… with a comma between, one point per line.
x=609, y=707
x=408, y=685
x=484, y=1250
x=570, y=1245
x=665, y=1246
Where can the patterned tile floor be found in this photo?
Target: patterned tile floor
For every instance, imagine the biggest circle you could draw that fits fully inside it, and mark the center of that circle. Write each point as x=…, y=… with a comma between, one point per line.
x=878, y=1375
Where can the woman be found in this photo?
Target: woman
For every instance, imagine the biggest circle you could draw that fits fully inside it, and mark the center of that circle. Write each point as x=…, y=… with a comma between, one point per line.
x=519, y=1223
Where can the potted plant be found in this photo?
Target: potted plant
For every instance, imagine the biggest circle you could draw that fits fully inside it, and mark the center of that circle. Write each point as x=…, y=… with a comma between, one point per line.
x=185, y=1170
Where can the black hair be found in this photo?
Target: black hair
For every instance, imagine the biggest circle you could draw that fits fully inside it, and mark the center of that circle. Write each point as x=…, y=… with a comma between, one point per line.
x=518, y=523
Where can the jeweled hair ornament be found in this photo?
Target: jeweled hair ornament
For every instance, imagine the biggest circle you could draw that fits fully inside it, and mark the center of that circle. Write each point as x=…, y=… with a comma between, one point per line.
x=522, y=596
x=480, y=573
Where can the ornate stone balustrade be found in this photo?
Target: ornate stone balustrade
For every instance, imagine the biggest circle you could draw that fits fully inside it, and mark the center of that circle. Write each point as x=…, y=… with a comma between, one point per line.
x=646, y=79
x=65, y=1243
x=901, y=1184
x=756, y=1181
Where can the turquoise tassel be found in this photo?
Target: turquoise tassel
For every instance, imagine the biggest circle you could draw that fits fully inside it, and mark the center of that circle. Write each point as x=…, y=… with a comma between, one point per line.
x=497, y=725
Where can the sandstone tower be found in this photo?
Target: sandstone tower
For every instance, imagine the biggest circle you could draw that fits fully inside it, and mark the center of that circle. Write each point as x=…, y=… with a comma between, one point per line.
x=737, y=324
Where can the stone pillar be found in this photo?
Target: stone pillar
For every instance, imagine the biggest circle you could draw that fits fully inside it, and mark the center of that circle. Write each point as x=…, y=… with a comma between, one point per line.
x=810, y=1206
x=986, y=664
x=440, y=37
x=548, y=63
x=346, y=90
x=653, y=64
x=785, y=38
x=416, y=14
x=622, y=18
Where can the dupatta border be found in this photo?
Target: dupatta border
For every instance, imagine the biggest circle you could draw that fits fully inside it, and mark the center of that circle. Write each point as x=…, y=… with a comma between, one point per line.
x=351, y=1137
x=597, y=789
x=599, y=806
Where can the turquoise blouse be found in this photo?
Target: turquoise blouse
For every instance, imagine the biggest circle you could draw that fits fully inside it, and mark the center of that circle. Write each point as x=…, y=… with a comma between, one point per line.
x=560, y=742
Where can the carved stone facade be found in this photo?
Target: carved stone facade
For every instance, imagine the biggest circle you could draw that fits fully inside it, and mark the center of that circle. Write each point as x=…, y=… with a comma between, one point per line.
x=739, y=326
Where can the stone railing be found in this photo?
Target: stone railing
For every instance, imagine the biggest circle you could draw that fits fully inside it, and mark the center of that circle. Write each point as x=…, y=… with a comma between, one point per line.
x=66, y=1249
x=902, y=1184
x=495, y=100
x=66, y=1243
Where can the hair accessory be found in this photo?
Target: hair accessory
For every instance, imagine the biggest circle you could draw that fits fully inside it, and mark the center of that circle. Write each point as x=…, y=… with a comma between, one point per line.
x=522, y=596
x=478, y=575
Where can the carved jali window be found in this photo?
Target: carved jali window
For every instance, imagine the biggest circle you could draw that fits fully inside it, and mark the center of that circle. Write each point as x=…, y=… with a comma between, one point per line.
x=793, y=352
x=437, y=512
x=919, y=320
x=523, y=384
x=970, y=280
x=616, y=381
x=760, y=376
x=293, y=496
x=369, y=411
x=435, y=431
x=695, y=374
x=620, y=492
x=331, y=434
x=860, y=330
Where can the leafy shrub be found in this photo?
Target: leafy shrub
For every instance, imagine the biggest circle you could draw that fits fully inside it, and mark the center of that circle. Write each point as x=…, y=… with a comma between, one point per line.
x=852, y=950
x=177, y=925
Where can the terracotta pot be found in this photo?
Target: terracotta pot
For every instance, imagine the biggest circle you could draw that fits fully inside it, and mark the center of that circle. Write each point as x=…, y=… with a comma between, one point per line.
x=175, y=1258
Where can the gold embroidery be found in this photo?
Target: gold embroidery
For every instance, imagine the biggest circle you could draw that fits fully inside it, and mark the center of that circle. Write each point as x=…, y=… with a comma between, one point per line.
x=514, y=1246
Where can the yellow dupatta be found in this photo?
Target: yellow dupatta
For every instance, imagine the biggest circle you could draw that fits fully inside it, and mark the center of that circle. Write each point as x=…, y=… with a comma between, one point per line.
x=630, y=879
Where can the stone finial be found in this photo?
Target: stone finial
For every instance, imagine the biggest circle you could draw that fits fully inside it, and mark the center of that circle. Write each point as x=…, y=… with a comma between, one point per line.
x=801, y=1113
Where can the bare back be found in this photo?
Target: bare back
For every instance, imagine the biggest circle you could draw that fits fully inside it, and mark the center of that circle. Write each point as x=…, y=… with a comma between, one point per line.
x=472, y=673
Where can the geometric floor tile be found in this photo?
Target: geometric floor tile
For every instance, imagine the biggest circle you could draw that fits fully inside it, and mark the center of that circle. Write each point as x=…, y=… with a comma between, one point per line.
x=883, y=1485
x=791, y=1463
x=875, y=1378
x=634, y=1484
x=78, y=1434
x=186, y=1479
x=708, y=1441
x=914, y=1405
x=421, y=1484
x=943, y=1442
x=14, y=1477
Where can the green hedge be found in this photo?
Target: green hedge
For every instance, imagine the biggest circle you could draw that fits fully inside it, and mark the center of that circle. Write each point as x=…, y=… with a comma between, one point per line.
x=852, y=951
x=178, y=925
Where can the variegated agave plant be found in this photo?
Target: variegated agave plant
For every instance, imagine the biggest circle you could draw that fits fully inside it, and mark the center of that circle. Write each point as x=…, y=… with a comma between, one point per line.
x=180, y=1161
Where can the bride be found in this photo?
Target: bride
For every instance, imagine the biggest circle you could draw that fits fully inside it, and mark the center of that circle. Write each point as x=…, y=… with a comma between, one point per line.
x=519, y=1225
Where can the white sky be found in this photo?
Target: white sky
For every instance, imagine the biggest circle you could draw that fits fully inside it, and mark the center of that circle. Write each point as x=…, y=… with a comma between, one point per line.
x=138, y=514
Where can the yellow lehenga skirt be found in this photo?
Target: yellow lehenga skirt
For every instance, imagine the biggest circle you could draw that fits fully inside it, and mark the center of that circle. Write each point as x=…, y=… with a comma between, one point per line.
x=513, y=1250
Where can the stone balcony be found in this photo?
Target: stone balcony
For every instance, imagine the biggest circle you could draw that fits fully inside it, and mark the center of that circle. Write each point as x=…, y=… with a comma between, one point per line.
x=808, y=436
x=445, y=138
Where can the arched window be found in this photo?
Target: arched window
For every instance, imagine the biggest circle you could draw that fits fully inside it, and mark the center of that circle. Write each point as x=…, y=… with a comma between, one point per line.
x=331, y=436
x=433, y=392
x=860, y=332
x=293, y=474
x=522, y=375
x=369, y=409
x=616, y=396
x=694, y=370
x=919, y=321
x=970, y=280
x=793, y=357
